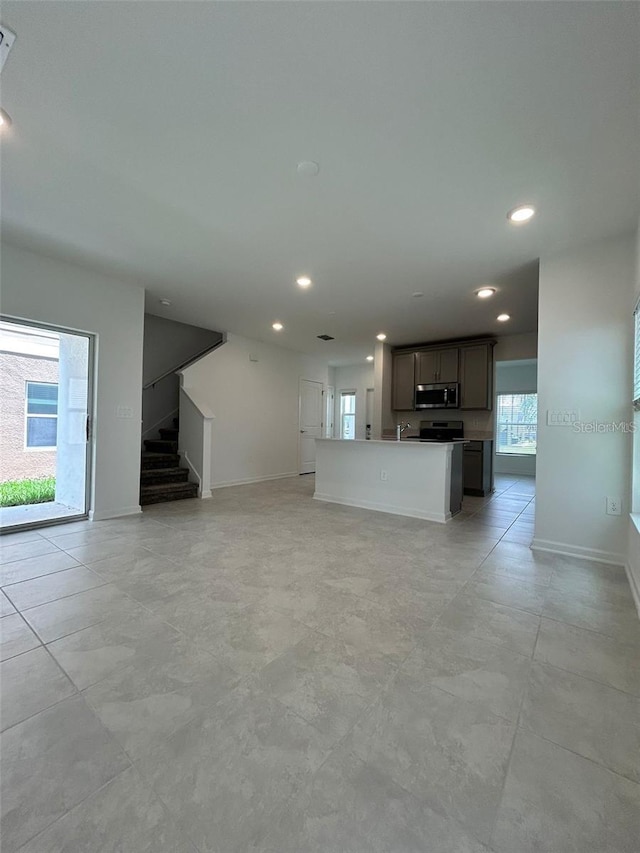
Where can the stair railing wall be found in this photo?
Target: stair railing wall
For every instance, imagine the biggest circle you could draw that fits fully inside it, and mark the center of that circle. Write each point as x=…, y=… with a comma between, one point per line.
x=194, y=440
x=160, y=403
x=160, y=395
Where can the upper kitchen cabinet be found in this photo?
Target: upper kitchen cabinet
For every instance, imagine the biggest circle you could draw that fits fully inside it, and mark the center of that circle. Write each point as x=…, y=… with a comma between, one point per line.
x=404, y=381
x=476, y=376
x=437, y=366
x=448, y=366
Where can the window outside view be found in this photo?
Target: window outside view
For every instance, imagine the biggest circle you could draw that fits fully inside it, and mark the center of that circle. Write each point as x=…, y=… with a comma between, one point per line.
x=517, y=420
x=29, y=374
x=42, y=414
x=44, y=388
x=348, y=414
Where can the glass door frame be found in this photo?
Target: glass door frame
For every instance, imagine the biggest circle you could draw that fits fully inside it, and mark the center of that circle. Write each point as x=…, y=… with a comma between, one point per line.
x=91, y=409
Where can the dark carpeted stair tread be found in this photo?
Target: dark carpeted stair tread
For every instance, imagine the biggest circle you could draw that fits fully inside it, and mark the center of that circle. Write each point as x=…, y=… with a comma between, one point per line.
x=158, y=445
x=169, y=434
x=163, y=475
x=159, y=460
x=160, y=492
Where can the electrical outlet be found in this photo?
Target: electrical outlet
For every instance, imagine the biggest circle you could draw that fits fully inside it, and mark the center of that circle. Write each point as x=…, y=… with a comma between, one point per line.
x=614, y=506
x=384, y=476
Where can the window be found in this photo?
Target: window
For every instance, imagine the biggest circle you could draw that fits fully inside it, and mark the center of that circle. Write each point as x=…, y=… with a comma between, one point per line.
x=348, y=414
x=636, y=359
x=42, y=415
x=517, y=423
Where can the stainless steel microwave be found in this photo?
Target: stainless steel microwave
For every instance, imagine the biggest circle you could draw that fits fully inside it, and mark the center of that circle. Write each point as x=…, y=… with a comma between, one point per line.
x=443, y=395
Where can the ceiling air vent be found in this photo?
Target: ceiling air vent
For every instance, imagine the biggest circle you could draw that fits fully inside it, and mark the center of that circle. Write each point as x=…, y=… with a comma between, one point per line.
x=326, y=338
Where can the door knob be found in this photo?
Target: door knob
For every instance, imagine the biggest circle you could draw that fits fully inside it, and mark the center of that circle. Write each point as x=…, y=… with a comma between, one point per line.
x=303, y=430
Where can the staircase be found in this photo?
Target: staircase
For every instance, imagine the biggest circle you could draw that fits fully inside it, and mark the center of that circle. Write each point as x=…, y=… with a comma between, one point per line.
x=161, y=477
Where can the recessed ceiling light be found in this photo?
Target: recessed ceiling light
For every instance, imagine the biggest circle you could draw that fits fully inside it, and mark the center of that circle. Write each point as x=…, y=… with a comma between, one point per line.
x=304, y=281
x=308, y=167
x=165, y=302
x=417, y=294
x=369, y=358
x=485, y=292
x=502, y=318
x=521, y=213
x=277, y=326
x=381, y=336
x=5, y=119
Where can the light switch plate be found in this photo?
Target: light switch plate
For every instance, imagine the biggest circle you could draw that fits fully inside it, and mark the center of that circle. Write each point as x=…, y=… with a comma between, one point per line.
x=124, y=412
x=562, y=417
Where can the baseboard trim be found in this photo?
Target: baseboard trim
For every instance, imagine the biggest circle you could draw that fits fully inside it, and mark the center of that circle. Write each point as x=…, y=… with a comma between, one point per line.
x=441, y=518
x=635, y=589
x=568, y=550
x=204, y=495
x=117, y=512
x=248, y=480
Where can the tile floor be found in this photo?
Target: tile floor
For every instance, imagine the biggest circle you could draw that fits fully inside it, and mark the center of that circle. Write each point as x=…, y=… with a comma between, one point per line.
x=263, y=672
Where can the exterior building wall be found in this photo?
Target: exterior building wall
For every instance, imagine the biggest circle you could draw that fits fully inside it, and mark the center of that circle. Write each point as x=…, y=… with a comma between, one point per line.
x=16, y=461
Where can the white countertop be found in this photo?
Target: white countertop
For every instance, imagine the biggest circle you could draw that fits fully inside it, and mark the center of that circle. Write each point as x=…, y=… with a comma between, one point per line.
x=392, y=442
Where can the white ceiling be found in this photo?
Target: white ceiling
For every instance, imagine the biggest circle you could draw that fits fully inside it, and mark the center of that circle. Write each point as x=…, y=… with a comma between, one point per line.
x=161, y=140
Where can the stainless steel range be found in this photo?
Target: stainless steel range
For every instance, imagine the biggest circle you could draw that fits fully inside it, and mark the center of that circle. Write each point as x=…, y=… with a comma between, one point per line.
x=441, y=430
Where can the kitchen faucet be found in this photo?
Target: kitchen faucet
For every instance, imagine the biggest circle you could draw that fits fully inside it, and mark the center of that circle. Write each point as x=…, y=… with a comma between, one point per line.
x=401, y=428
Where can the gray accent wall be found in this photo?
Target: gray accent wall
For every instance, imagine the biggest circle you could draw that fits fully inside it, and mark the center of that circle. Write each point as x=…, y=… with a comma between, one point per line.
x=167, y=346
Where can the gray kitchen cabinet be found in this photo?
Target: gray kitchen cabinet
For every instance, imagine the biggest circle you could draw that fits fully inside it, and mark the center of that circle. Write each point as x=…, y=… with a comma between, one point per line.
x=478, y=468
x=476, y=376
x=448, y=367
x=437, y=366
x=426, y=367
x=404, y=381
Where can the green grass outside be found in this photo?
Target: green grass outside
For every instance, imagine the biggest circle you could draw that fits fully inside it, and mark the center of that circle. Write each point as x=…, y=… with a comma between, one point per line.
x=22, y=492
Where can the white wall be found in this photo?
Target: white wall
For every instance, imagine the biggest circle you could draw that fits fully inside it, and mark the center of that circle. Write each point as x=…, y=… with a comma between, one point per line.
x=44, y=289
x=515, y=377
x=516, y=347
x=383, y=415
x=255, y=403
x=358, y=378
x=584, y=364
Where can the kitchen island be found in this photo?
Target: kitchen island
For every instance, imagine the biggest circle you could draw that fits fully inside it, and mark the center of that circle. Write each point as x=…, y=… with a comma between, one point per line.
x=412, y=478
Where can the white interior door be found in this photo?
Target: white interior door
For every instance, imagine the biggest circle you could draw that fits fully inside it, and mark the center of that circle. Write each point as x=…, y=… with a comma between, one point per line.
x=310, y=420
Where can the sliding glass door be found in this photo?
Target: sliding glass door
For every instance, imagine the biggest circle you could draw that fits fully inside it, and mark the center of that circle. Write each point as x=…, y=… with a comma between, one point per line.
x=45, y=419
